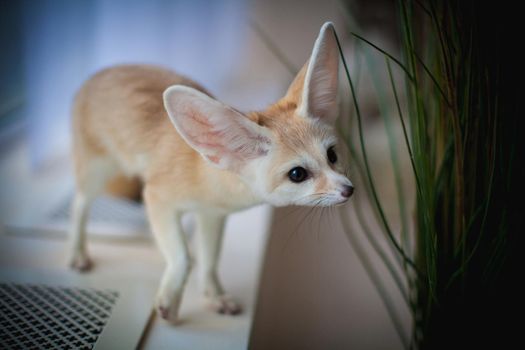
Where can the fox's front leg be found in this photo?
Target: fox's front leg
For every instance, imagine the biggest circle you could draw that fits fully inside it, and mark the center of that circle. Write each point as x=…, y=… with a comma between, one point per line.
x=167, y=229
x=210, y=229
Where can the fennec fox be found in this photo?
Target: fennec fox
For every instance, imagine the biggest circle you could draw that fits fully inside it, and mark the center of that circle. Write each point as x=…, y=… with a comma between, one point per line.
x=195, y=154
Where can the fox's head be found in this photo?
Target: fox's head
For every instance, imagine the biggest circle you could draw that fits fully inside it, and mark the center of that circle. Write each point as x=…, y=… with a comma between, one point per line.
x=288, y=153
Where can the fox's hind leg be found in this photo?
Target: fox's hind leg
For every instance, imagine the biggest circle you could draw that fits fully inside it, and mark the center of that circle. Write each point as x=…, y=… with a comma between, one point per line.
x=92, y=173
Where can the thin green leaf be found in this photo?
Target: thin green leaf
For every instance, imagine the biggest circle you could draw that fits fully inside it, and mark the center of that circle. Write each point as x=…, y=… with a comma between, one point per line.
x=386, y=54
x=442, y=93
x=367, y=166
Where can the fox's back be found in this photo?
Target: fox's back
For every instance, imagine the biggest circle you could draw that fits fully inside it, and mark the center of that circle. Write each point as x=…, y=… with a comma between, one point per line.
x=119, y=112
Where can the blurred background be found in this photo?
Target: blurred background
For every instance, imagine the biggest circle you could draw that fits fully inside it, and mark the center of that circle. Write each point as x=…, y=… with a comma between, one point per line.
x=314, y=293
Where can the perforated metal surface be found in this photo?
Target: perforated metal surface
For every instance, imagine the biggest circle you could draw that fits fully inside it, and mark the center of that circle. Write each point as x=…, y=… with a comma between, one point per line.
x=44, y=317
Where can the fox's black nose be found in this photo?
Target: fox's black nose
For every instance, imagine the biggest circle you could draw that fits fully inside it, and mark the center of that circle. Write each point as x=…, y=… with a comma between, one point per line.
x=347, y=191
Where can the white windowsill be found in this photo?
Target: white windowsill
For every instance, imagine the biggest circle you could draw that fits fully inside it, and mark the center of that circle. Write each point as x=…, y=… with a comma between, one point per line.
x=21, y=191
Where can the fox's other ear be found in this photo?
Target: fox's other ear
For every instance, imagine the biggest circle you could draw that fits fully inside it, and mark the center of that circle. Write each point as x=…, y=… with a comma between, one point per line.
x=315, y=87
x=220, y=134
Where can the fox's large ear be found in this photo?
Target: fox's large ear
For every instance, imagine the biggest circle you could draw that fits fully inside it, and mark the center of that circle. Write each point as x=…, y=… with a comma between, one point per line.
x=316, y=85
x=220, y=134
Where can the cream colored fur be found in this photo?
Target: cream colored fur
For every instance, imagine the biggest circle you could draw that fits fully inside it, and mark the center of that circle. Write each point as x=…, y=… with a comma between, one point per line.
x=195, y=154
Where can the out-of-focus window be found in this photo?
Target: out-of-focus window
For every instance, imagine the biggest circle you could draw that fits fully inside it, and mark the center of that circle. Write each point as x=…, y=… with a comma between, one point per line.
x=11, y=64
x=49, y=47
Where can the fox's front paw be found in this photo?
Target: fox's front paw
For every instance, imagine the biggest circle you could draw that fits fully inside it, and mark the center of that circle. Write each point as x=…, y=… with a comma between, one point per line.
x=224, y=304
x=80, y=262
x=168, y=308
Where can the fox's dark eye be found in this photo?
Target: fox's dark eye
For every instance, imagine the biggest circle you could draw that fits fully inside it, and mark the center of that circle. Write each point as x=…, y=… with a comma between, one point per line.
x=298, y=174
x=332, y=156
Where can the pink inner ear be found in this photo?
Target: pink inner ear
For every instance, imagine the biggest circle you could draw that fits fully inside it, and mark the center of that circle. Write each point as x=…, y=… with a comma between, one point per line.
x=214, y=159
x=204, y=137
x=221, y=136
x=321, y=79
x=322, y=92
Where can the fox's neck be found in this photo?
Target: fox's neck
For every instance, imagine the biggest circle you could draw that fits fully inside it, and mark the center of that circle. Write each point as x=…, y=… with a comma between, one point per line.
x=241, y=196
x=229, y=192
